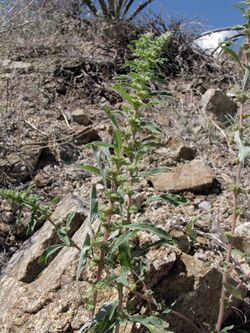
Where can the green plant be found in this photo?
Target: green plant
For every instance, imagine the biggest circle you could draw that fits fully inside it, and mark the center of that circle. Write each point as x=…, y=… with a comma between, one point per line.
x=116, y=9
x=243, y=154
x=39, y=213
x=118, y=164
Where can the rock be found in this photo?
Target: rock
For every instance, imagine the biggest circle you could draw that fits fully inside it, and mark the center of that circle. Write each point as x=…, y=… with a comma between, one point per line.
x=183, y=242
x=86, y=135
x=215, y=102
x=50, y=303
x=68, y=153
x=204, y=205
x=20, y=166
x=80, y=117
x=241, y=240
x=195, y=176
x=178, y=150
x=74, y=173
x=24, y=264
x=20, y=67
x=42, y=179
x=4, y=229
x=189, y=283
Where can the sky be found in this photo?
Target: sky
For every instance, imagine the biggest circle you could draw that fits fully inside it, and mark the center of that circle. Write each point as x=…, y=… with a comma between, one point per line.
x=213, y=13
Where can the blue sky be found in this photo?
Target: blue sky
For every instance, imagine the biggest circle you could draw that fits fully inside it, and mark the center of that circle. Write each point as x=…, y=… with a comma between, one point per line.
x=215, y=13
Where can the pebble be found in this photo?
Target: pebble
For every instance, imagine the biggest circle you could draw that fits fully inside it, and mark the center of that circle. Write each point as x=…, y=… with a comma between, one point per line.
x=205, y=206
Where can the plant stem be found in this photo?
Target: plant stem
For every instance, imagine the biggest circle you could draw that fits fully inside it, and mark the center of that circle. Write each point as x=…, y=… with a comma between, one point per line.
x=102, y=255
x=228, y=260
x=120, y=299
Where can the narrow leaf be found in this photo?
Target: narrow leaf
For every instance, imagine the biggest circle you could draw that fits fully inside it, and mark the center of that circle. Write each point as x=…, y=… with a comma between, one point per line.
x=110, y=116
x=93, y=206
x=174, y=199
x=125, y=254
x=152, y=127
x=48, y=252
x=83, y=256
x=150, y=228
x=70, y=218
x=231, y=53
x=118, y=142
x=153, y=172
x=233, y=291
x=119, y=241
x=190, y=231
x=244, y=151
x=90, y=168
x=245, y=78
x=122, y=277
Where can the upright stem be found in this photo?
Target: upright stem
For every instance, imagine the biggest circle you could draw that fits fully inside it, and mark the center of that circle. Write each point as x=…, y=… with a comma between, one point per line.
x=120, y=299
x=102, y=255
x=221, y=314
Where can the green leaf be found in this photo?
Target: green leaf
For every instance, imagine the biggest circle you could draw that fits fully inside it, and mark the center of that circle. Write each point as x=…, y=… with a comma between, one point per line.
x=70, y=218
x=189, y=229
x=150, y=228
x=125, y=254
x=93, y=212
x=233, y=291
x=48, y=252
x=110, y=116
x=244, y=151
x=174, y=199
x=86, y=246
x=32, y=222
x=90, y=168
x=231, y=53
x=154, y=324
x=153, y=172
x=161, y=93
x=101, y=165
x=122, y=277
x=118, y=142
x=152, y=127
x=241, y=8
x=127, y=97
x=104, y=321
x=63, y=235
x=106, y=318
x=120, y=86
x=119, y=241
x=245, y=78
x=98, y=144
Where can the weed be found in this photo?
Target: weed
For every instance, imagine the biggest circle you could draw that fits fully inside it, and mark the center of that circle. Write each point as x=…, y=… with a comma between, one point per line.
x=119, y=164
x=243, y=154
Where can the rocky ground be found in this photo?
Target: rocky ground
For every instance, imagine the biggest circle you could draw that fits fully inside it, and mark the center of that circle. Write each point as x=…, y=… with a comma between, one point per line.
x=52, y=95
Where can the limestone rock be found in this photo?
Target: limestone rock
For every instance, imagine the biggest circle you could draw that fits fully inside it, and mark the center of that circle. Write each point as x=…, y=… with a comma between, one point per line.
x=80, y=117
x=215, y=102
x=195, y=176
x=178, y=150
